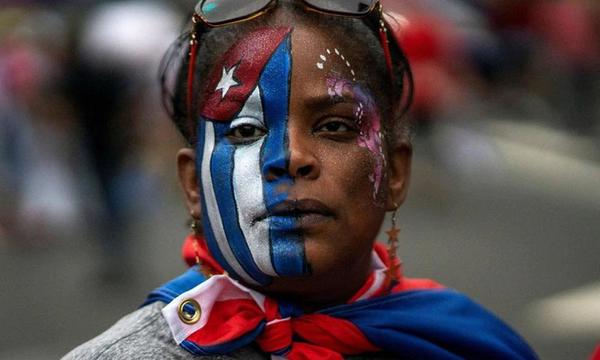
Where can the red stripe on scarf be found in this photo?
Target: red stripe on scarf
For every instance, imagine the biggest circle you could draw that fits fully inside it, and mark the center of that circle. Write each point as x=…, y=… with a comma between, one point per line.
x=324, y=337
x=229, y=320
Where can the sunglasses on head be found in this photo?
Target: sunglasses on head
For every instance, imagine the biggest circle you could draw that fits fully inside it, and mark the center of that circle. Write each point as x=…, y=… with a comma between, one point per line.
x=223, y=12
x=218, y=13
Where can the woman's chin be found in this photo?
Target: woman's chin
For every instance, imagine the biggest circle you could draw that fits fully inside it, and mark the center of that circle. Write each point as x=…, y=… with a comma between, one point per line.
x=330, y=280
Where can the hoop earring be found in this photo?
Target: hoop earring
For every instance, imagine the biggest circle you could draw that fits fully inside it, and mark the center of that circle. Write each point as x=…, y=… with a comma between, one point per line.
x=394, y=265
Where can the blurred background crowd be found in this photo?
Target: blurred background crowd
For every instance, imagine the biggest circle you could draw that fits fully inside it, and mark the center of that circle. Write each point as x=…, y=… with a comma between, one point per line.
x=505, y=202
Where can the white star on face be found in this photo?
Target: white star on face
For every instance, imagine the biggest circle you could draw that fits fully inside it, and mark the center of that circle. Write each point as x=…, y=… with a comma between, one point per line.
x=227, y=81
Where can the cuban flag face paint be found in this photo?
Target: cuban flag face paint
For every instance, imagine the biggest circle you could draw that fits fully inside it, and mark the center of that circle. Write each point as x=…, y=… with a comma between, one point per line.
x=248, y=92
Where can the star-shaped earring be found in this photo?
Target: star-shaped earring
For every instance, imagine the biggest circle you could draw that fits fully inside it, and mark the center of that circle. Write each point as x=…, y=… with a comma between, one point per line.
x=394, y=263
x=393, y=233
x=227, y=81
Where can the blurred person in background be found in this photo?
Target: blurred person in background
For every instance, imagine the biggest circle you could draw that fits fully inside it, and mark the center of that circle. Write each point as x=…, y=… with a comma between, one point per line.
x=292, y=160
x=546, y=63
x=435, y=39
x=38, y=127
x=100, y=94
x=109, y=87
x=571, y=58
x=75, y=100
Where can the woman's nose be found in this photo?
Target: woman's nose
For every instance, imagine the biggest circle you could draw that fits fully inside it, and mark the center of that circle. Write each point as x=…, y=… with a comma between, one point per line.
x=300, y=161
x=303, y=163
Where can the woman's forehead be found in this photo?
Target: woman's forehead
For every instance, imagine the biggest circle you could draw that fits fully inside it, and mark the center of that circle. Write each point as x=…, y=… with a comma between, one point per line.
x=318, y=54
x=308, y=55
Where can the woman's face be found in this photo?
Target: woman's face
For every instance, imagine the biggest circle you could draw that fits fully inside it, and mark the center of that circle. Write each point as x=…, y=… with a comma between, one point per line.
x=293, y=178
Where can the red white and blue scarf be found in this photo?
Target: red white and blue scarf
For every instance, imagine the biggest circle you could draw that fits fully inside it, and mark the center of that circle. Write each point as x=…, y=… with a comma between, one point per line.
x=414, y=319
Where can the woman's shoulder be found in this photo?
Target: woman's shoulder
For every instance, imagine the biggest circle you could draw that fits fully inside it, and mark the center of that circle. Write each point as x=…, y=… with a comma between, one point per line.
x=143, y=334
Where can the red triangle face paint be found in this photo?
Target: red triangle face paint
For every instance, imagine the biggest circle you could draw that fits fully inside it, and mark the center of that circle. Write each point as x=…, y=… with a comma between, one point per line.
x=237, y=74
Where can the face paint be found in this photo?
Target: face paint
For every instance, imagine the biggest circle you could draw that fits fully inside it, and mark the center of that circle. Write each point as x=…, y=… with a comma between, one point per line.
x=249, y=91
x=323, y=58
x=366, y=112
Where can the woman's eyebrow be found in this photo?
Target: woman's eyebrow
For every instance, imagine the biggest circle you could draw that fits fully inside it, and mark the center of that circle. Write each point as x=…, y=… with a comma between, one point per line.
x=323, y=101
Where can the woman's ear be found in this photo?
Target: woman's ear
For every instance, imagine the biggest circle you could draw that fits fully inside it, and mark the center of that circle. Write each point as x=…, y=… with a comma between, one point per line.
x=399, y=168
x=188, y=177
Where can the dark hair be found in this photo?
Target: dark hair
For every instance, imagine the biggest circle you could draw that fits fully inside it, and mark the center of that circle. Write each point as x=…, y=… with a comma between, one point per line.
x=393, y=98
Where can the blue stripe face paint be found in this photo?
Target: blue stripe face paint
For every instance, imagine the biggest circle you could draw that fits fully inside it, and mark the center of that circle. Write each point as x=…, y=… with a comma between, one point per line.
x=243, y=141
x=287, y=248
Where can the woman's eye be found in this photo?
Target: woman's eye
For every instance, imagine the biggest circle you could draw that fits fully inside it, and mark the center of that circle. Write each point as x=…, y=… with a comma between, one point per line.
x=246, y=133
x=337, y=128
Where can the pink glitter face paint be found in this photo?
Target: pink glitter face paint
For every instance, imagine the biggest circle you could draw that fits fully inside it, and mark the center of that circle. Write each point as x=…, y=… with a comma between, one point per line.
x=366, y=111
x=368, y=119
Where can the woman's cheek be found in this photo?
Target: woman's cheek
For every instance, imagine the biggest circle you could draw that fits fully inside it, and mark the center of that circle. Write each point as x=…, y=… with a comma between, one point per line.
x=346, y=174
x=364, y=173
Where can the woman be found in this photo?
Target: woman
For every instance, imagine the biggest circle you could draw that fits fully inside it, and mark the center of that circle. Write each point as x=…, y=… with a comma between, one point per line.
x=297, y=151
